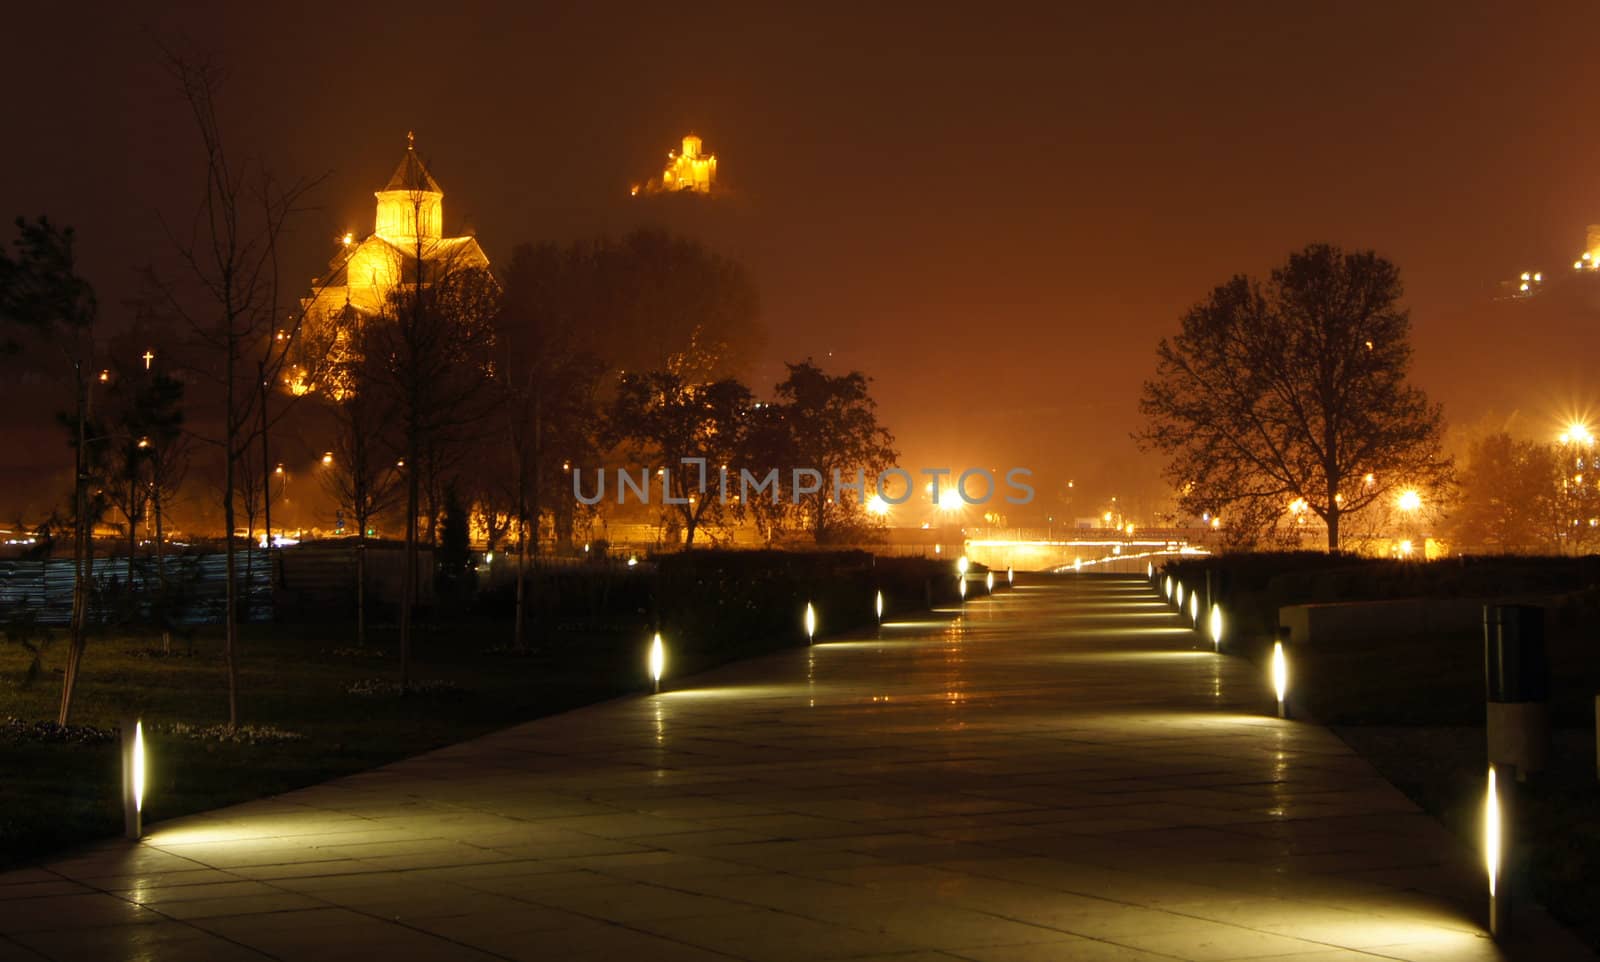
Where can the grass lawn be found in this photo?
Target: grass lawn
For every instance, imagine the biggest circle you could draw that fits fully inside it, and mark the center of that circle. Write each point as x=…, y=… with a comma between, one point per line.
x=57, y=793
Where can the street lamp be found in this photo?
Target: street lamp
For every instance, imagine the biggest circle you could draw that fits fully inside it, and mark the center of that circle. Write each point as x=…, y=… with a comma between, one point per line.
x=1494, y=853
x=1280, y=677
x=133, y=772
x=658, y=660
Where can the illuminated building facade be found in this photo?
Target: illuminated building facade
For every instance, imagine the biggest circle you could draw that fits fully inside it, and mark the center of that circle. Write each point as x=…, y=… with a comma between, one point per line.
x=691, y=170
x=408, y=228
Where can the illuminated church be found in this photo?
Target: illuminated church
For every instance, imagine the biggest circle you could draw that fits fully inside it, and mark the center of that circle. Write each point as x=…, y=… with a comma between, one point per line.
x=693, y=170
x=409, y=227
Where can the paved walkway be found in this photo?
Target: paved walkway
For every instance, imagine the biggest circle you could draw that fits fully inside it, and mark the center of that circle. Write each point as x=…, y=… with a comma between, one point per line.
x=1061, y=773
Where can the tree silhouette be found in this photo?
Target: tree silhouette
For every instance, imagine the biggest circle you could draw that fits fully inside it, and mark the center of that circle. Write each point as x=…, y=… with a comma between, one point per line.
x=1294, y=389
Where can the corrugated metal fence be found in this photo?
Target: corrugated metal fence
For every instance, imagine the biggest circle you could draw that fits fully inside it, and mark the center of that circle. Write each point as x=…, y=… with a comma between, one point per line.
x=196, y=588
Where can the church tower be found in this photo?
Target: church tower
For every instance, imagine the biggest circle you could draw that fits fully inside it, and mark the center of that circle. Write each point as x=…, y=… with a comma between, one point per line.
x=366, y=273
x=411, y=205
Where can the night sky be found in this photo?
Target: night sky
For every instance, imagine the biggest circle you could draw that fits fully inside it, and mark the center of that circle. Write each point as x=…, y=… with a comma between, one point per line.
x=994, y=210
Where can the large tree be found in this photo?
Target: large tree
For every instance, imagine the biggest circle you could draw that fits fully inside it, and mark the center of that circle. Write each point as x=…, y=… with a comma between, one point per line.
x=544, y=387
x=831, y=426
x=687, y=433
x=1510, y=493
x=1295, y=389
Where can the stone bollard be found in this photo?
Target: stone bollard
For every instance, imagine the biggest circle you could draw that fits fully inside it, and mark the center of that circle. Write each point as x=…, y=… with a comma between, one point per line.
x=1517, y=679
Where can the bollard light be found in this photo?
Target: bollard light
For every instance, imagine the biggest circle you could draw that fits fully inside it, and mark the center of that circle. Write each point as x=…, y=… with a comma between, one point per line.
x=878, y=604
x=1493, y=851
x=811, y=624
x=962, y=564
x=1011, y=576
x=1166, y=587
x=1194, y=608
x=988, y=582
x=1180, y=596
x=1280, y=678
x=658, y=660
x=961, y=588
x=1216, y=627
x=133, y=778
x=1150, y=570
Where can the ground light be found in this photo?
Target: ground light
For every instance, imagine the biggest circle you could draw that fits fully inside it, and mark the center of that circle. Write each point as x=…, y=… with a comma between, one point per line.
x=961, y=588
x=1150, y=570
x=1011, y=576
x=1180, y=597
x=1280, y=677
x=133, y=770
x=1493, y=852
x=878, y=604
x=1194, y=608
x=658, y=660
x=811, y=624
x=988, y=582
x=1166, y=587
x=1216, y=627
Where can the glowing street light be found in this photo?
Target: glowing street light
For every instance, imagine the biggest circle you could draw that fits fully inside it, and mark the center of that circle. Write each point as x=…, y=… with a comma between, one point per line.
x=876, y=505
x=327, y=459
x=949, y=500
x=962, y=564
x=1280, y=677
x=1493, y=853
x=1216, y=627
x=1409, y=500
x=133, y=771
x=811, y=624
x=1577, y=433
x=658, y=660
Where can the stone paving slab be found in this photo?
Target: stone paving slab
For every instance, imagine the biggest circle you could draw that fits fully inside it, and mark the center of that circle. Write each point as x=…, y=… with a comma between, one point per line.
x=1063, y=771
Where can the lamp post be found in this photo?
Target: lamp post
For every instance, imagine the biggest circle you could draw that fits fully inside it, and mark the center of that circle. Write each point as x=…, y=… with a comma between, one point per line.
x=1280, y=677
x=658, y=661
x=133, y=775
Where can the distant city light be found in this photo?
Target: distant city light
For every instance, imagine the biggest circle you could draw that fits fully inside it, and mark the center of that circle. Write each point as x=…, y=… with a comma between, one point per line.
x=1577, y=433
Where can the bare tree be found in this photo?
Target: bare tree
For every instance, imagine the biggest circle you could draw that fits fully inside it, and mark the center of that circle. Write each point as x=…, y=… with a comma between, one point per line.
x=363, y=476
x=42, y=295
x=1295, y=390
x=230, y=253
x=431, y=352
